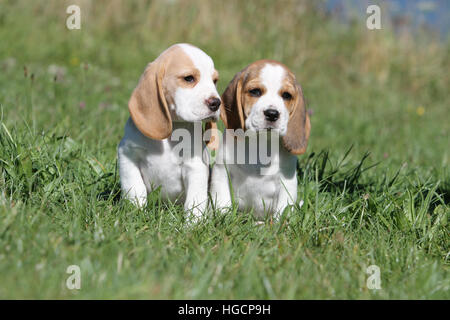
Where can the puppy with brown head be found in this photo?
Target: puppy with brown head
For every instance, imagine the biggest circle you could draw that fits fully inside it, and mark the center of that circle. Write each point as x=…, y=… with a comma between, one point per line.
x=176, y=91
x=264, y=97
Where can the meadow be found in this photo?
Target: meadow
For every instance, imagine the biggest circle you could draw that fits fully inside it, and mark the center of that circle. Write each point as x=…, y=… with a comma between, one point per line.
x=375, y=180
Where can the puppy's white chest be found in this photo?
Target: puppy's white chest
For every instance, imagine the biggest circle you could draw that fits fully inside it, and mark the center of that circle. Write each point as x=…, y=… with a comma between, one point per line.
x=259, y=193
x=163, y=170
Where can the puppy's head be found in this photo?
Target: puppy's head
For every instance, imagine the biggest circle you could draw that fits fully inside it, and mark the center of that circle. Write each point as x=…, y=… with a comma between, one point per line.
x=178, y=86
x=265, y=95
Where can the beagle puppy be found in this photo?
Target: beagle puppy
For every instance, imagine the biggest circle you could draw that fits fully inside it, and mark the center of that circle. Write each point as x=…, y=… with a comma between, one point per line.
x=263, y=97
x=177, y=91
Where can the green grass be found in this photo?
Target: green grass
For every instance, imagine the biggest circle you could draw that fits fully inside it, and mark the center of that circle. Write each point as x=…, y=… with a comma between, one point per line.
x=375, y=180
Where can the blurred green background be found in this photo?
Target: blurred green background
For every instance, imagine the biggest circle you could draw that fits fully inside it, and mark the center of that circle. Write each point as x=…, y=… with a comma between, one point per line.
x=370, y=88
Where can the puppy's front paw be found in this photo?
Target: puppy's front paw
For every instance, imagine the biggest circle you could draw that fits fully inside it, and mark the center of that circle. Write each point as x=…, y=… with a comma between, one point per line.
x=137, y=201
x=195, y=214
x=221, y=204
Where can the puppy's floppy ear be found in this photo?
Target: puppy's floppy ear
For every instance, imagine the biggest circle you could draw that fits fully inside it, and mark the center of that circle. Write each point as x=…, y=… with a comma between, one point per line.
x=299, y=126
x=148, y=105
x=231, y=111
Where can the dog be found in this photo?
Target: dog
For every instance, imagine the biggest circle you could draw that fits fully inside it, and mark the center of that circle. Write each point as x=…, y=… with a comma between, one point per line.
x=176, y=91
x=263, y=97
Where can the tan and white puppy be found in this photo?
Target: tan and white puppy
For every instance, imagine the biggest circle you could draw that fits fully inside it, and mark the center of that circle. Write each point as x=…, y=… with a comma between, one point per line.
x=264, y=96
x=176, y=91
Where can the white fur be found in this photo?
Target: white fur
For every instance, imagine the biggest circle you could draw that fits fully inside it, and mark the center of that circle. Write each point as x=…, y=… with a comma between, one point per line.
x=146, y=164
x=265, y=194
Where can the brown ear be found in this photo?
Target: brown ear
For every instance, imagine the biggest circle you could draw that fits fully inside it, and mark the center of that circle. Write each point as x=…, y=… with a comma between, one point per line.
x=213, y=141
x=231, y=111
x=148, y=106
x=299, y=126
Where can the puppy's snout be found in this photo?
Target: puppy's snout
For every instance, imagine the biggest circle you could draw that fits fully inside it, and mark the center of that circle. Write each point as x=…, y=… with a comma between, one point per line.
x=271, y=115
x=213, y=103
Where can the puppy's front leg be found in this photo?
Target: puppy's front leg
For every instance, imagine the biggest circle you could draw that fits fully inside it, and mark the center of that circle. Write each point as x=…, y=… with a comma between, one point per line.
x=195, y=179
x=286, y=196
x=132, y=185
x=220, y=190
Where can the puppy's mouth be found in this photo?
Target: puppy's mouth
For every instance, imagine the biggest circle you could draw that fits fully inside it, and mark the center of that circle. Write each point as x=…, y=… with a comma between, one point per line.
x=210, y=118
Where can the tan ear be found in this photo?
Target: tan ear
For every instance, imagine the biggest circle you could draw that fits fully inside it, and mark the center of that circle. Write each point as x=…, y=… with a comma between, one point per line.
x=299, y=126
x=231, y=111
x=213, y=142
x=148, y=106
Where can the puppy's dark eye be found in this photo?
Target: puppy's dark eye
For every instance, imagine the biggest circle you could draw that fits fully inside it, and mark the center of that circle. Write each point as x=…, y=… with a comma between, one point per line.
x=189, y=79
x=255, y=92
x=215, y=81
x=286, y=96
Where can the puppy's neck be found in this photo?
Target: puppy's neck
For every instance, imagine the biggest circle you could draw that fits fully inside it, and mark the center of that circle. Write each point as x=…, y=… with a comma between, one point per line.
x=190, y=126
x=187, y=136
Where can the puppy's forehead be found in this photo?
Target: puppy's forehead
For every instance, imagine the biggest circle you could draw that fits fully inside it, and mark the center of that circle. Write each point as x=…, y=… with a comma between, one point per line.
x=270, y=73
x=200, y=59
x=174, y=59
x=272, y=76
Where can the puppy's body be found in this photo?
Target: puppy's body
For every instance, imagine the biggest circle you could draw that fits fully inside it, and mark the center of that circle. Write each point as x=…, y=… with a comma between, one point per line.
x=261, y=97
x=146, y=164
x=176, y=92
x=264, y=194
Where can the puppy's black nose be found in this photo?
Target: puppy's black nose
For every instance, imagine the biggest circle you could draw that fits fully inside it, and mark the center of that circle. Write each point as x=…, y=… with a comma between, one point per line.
x=213, y=103
x=271, y=114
